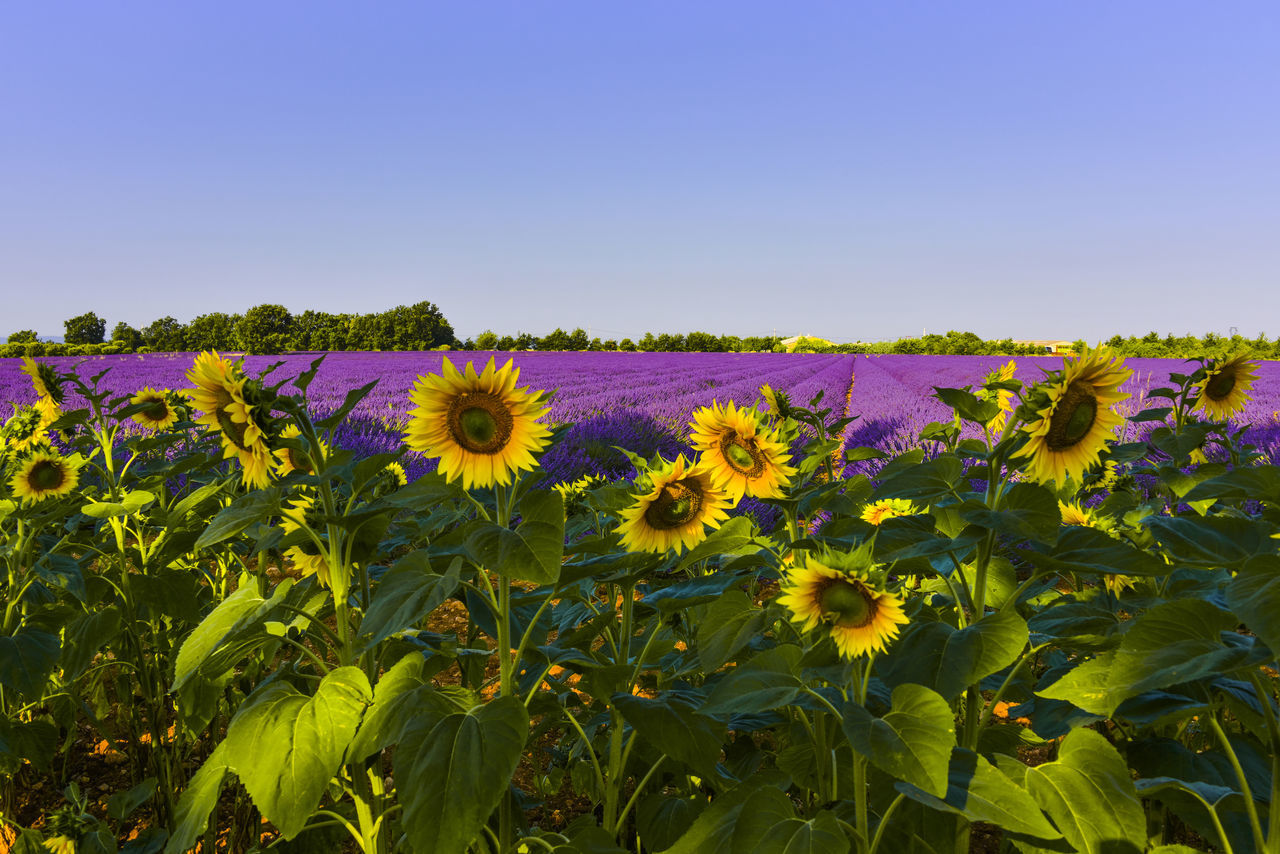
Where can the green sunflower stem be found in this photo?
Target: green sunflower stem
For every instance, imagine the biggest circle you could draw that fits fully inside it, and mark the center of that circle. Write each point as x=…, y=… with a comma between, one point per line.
x=861, y=674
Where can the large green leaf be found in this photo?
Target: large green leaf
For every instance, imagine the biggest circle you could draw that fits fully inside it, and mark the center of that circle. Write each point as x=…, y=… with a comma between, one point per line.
x=451, y=777
x=1087, y=550
x=197, y=802
x=27, y=659
x=402, y=699
x=286, y=746
x=533, y=551
x=713, y=830
x=820, y=835
x=912, y=742
x=734, y=537
x=976, y=651
x=765, y=808
x=769, y=680
x=1174, y=642
x=1088, y=793
x=85, y=635
x=924, y=482
x=1212, y=542
x=1258, y=483
x=981, y=792
x=672, y=725
x=257, y=506
x=241, y=609
x=730, y=623
x=408, y=592
x=1027, y=512
x=1254, y=595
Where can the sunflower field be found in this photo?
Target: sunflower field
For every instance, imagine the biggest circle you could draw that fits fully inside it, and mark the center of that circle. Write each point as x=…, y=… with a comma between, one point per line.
x=1046, y=623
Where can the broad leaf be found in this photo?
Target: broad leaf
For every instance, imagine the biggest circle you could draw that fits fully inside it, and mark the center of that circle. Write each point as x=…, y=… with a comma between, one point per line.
x=768, y=681
x=731, y=622
x=674, y=727
x=912, y=742
x=976, y=651
x=286, y=746
x=534, y=550
x=408, y=592
x=26, y=660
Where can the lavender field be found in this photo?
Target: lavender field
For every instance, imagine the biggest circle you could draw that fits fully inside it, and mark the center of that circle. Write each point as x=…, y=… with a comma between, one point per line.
x=643, y=401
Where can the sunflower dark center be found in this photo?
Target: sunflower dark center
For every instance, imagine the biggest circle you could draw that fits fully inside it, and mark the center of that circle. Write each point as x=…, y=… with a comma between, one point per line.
x=1073, y=417
x=480, y=422
x=1220, y=385
x=742, y=455
x=45, y=475
x=157, y=410
x=678, y=504
x=847, y=604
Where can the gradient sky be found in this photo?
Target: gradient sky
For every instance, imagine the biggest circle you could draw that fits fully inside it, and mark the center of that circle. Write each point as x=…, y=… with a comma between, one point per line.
x=854, y=170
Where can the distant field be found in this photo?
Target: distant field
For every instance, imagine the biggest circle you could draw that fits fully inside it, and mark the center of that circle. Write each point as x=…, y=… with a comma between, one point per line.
x=648, y=397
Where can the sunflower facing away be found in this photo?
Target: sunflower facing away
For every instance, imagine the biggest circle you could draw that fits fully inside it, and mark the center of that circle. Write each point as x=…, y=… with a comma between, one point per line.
x=1003, y=397
x=744, y=458
x=481, y=426
x=160, y=414
x=44, y=379
x=682, y=501
x=219, y=394
x=291, y=459
x=861, y=618
x=1225, y=389
x=25, y=429
x=1073, y=416
x=44, y=474
x=306, y=558
x=1074, y=514
x=889, y=508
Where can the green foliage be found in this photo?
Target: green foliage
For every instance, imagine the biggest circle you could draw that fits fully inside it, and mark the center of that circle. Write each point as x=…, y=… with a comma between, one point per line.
x=85, y=328
x=266, y=328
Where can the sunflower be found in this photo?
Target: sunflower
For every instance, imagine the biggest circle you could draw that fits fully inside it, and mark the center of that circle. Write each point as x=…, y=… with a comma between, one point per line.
x=681, y=502
x=291, y=459
x=220, y=394
x=481, y=427
x=744, y=458
x=306, y=557
x=161, y=412
x=1003, y=397
x=861, y=618
x=26, y=429
x=44, y=474
x=889, y=508
x=1224, y=389
x=396, y=472
x=48, y=388
x=1071, y=417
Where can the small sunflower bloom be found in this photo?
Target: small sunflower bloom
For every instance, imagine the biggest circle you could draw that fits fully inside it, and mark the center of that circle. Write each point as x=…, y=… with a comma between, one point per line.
x=481, y=426
x=1224, y=391
x=1074, y=514
x=744, y=457
x=44, y=474
x=396, y=472
x=889, y=508
x=861, y=618
x=306, y=558
x=1072, y=417
x=161, y=412
x=60, y=844
x=682, y=502
x=26, y=429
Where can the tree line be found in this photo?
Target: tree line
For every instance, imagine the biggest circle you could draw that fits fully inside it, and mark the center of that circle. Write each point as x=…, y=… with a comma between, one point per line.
x=271, y=328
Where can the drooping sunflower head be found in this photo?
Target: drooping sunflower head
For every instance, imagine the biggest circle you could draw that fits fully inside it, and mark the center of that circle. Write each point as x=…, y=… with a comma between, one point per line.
x=889, y=508
x=161, y=413
x=682, y=502
x=1070, y=416
x=44, y=379
x=778, y=402
x=291, y=459
x=306, y=557
x=481, y=426
x=220, y=393
x=745, y=458
x=396, y=473
x=1224, y=391
x=1074, y=514
x=860, y=616
x=42, y=474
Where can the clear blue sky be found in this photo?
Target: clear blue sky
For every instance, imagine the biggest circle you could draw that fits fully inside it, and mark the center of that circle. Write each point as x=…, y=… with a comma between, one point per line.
x=844, y=169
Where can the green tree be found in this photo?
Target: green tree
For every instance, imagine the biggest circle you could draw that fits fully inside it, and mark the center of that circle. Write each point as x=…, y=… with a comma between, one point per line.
x=578, y=340
x=420, y=326
x=85, y=328
x=702, y=342
x=126, y=336
x=213, y=331
x=557, y=339
x=266, y=328
x=24, y=336
x=487, y=340
x=626, y=345
x=165, y=335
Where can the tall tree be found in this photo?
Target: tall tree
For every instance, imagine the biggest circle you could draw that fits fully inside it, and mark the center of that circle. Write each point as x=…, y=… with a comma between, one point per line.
x=165, y=335
x=85, y=328
x=266, y=328
x=420, y=326
x=23, y=336
x=126, y=336
x=213, y=331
